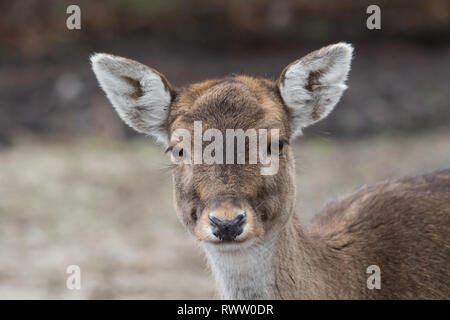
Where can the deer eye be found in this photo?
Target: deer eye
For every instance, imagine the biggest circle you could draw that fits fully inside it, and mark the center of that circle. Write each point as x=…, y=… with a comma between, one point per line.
x=280, y=147
x=177, y=153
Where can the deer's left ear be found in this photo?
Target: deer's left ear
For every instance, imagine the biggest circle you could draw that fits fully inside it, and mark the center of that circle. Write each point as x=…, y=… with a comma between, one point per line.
x=312, y=86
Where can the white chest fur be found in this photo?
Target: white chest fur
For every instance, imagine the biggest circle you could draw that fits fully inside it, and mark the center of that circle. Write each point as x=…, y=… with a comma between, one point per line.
x=243, y=272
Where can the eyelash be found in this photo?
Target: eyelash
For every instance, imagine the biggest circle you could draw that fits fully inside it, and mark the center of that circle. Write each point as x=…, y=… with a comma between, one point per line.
x=281, y=145
x=180, y=152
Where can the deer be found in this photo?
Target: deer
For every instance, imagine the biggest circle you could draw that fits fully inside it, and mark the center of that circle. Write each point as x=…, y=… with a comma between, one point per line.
x=245, y=222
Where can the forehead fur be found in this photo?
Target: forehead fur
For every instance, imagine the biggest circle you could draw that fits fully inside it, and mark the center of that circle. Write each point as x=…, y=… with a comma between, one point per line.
x=238, y=102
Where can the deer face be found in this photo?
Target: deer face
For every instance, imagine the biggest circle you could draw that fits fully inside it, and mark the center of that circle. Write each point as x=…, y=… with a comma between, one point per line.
x=229, y=203
x=232, y=202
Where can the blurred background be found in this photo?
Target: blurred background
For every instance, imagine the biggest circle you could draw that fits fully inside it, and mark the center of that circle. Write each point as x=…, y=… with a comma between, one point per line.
x=78, y=187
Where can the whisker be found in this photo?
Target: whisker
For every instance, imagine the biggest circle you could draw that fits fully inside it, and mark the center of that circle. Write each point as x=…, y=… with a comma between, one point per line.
x=165, y=168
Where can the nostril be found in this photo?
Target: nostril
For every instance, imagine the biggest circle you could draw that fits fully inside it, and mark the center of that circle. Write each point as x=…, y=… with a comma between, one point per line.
x=215, y=221
x=240, y=218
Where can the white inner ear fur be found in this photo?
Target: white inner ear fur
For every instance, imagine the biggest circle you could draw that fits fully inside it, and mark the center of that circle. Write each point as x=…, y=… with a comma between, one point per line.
x=137, y=93
x=313, y=85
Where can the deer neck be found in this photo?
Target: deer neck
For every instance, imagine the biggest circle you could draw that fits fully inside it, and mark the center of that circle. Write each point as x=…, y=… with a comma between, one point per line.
x=284, y=265
x=302, y=266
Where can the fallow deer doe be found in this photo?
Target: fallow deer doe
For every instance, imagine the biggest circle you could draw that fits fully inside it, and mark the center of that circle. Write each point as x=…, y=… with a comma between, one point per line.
x=245, y=221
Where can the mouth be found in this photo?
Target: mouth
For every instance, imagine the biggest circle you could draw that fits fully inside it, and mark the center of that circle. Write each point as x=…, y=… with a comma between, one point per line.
x=229, y=241
x=230, y=245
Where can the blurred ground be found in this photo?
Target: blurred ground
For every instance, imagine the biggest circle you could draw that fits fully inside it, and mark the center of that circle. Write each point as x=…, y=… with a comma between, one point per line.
x=106, y=206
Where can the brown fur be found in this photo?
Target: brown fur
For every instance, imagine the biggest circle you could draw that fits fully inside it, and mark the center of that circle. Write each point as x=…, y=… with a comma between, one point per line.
x=401, y=226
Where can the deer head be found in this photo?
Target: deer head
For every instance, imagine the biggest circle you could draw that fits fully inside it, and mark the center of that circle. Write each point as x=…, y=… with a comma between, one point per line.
x=229, y=206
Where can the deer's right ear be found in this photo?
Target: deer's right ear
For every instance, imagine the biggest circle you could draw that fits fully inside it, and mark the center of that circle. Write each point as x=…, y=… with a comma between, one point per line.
x=140, y=95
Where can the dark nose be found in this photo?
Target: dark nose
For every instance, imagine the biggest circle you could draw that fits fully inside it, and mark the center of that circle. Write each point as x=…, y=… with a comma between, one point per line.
x=228, y=229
